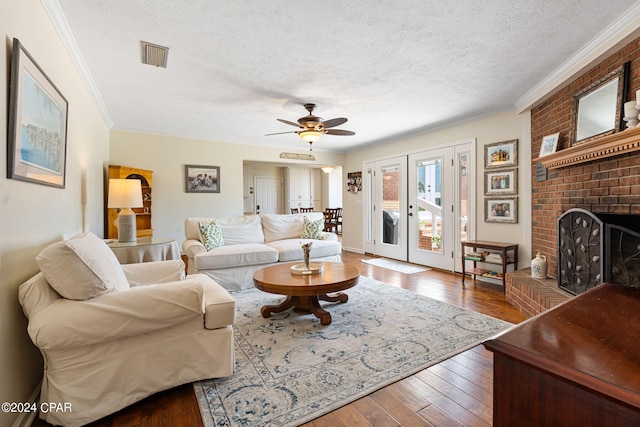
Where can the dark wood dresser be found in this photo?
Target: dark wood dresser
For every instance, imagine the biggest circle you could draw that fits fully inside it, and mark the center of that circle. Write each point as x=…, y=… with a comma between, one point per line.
x=577, y=364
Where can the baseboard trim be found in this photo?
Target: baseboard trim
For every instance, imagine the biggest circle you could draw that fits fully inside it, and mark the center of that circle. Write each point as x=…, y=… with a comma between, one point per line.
x=356, y=250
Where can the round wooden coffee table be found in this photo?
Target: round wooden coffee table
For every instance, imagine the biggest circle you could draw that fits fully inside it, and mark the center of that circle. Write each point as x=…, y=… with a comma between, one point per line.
x=304, y=291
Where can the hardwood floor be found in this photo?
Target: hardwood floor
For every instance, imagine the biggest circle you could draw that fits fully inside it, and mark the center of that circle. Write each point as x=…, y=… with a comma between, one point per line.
x=455, y=392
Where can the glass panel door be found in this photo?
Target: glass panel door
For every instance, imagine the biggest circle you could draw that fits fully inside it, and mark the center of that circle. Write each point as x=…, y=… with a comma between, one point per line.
x=441, y=205
x=391, y=208
x=430, y=192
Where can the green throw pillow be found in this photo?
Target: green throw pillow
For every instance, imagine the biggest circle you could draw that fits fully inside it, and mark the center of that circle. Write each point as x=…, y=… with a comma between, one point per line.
x=312, y=229
x=211, y=234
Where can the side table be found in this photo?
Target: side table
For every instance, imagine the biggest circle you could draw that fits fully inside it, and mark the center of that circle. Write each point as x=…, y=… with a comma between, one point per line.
x=145, y=249
x=502, y=248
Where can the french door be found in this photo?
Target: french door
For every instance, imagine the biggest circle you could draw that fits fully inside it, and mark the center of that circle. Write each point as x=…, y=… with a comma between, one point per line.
x=386, y=208
x=439, y=205
x=419, y=207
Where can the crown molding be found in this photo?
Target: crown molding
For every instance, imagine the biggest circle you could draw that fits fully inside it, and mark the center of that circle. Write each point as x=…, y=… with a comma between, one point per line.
x=59, y=21
x=614, y=37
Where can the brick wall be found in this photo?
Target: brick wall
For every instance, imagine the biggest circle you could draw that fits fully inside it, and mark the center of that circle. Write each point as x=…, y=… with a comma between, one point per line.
x=606, y=186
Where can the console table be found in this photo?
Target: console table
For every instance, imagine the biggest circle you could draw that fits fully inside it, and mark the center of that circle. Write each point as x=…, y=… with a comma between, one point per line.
x=502, y=248
x=573, y=365
x=145, y=249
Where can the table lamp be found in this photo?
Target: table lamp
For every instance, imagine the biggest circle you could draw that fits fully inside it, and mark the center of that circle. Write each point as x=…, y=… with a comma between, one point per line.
x=125, y=194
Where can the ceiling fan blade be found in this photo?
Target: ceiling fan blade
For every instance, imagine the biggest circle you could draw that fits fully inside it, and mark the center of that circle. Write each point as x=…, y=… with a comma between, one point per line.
x=339, y=132
x=334, y=122
x=288, y=122
x=281, y=133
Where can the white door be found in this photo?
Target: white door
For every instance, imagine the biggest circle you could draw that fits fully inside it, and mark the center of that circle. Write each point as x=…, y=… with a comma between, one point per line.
x=439, y=205
x=268, y=195
x=385, y=186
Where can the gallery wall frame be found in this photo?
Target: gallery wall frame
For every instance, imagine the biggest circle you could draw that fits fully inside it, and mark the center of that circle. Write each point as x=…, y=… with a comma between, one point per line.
x=501, y=182
x=201, y=179
x=501, y=154
x=501, y=209
x=38, y=115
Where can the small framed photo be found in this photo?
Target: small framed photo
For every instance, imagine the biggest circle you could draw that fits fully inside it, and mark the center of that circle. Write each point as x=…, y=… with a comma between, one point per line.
x=501, y=182
x=549, y=144
x=501, y=154
x=354, y=182
x=503, y=209
x=37, y=143
x=201, y=179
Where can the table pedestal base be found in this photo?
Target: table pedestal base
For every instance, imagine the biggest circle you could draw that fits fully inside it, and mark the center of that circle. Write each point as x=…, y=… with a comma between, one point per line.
x=306, y=305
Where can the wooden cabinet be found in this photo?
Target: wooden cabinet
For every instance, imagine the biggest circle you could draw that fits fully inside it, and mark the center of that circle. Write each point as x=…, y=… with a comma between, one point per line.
x=573, y=365
x=143, y=214
x=505, y=254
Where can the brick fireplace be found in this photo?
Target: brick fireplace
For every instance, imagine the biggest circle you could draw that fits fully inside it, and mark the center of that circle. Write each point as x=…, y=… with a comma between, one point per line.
x=607, y=186
x=611, y=185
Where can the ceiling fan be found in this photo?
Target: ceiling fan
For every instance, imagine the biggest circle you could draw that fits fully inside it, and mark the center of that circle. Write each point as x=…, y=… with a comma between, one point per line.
x=313, y=127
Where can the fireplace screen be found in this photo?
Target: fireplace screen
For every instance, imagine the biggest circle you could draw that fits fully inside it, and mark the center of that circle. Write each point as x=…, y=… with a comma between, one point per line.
x=596, y=248
x=580, y=245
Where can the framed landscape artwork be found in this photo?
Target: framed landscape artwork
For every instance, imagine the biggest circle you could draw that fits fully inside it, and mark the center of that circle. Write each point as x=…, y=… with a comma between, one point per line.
x=501, y=210
x=37, y=144
x=501, y=154
x=201, y=179
x=504, y=181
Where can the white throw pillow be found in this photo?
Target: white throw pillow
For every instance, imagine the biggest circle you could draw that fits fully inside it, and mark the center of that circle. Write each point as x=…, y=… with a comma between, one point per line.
x=82, y=268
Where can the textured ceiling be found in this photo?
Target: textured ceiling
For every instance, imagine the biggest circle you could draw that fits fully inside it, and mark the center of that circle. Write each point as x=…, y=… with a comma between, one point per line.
x=391, y=68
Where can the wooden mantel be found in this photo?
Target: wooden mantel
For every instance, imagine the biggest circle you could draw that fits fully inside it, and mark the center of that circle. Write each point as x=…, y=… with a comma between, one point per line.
x=626, y=141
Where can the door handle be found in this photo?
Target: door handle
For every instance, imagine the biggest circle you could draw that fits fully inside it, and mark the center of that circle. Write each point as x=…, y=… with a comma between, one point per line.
x=410, y=214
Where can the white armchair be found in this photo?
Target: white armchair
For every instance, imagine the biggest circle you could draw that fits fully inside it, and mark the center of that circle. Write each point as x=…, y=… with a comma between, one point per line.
x=102, y=353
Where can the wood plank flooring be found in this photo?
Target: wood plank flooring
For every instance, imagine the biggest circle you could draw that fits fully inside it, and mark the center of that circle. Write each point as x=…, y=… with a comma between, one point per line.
x=455, y=392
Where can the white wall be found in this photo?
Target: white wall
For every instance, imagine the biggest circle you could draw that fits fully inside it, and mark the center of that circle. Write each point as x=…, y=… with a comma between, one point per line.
x=167, y=155
x=33, y=216
x=500, y=127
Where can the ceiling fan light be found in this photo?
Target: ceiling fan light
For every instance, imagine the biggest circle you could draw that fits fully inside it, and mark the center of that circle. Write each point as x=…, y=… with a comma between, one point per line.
x=310, y=136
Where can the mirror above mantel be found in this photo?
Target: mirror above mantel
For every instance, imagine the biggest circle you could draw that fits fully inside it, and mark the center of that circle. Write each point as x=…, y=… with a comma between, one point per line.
x=597, y=109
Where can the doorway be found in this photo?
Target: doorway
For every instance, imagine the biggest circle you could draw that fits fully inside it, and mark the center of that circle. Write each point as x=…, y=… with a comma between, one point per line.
x=420, y=206
x=268, y=195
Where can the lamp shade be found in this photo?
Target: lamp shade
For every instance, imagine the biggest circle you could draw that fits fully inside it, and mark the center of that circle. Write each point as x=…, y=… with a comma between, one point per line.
x=125, y=193
x=310, y=136
x=327, y=169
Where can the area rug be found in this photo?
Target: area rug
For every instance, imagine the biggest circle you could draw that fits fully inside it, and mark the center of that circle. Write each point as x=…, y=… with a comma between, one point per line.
x=399, y=266
x=290, y=369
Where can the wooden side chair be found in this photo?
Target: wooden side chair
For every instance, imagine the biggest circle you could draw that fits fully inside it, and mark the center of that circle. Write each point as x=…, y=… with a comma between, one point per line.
x=339, y=221
x=331, y=220
x=303, y=210
x=294, y=210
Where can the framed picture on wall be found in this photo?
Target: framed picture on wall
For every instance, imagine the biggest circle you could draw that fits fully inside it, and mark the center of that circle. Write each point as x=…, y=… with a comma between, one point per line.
x=354, y=182
x=503, y=209
x=37, y=144
x=503, y=181
x=501, y=154
x=201, y=179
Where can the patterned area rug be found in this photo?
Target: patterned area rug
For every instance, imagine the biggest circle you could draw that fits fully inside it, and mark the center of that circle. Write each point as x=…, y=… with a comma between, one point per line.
x=399, y=266
x=290, y=369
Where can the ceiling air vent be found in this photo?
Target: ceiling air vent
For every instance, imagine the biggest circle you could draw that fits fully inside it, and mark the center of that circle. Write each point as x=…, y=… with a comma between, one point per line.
x=154, y=54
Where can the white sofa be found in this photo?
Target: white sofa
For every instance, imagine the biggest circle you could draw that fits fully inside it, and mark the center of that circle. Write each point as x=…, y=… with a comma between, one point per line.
x=253, y=242
x=111, y=335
